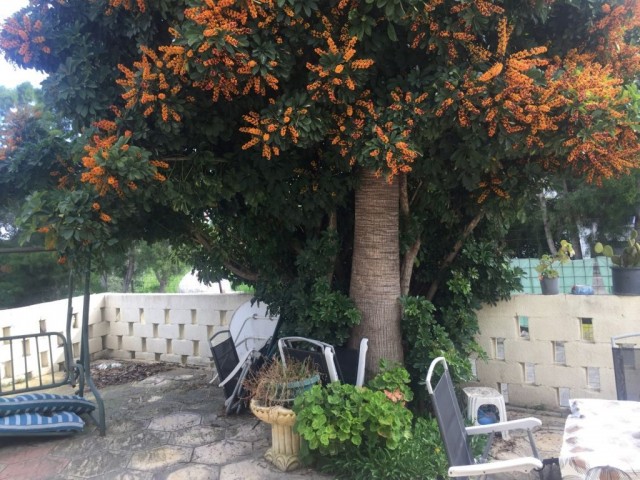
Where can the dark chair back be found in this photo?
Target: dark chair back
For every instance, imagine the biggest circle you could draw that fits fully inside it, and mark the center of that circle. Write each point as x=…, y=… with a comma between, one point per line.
x=225, y=357
x=626, y=366
x=314, y=356
x=449, y=417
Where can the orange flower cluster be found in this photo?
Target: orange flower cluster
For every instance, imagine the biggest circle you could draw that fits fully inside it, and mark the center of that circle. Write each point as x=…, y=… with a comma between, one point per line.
x=24, y=38
x=604, y=154
x=509, y=96
x=97, y=151
x=224, y=29
x=597, y=153
x=127, y=5
x=148, y=86
x=336, y=68
x=264, y=131
x=350, y=125
x=404, y=113
x=489, y=187
x=617, y=28
x=13, y=129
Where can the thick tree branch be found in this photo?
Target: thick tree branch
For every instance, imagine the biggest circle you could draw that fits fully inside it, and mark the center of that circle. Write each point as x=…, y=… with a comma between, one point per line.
x=25, y=250
x=233, y=267
x=406, y=269
x=409, y=258
x=332, y=227
x=545, y=223
x=404, y=195
x=239, y=272
x=433, y=288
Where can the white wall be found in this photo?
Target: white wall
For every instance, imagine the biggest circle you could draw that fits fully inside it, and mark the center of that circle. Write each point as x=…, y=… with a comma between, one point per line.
x=166, y=327
x=176, y=328
x=163, y=327
x=554, y=324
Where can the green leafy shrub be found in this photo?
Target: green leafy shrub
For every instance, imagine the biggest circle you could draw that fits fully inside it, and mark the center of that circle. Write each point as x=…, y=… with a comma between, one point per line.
x=427, y=339
x=342, y=418
x=393, y=380
x=420, y=457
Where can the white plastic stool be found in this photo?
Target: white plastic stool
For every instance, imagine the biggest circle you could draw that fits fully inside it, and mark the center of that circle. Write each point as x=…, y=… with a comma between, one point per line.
x=479, y=396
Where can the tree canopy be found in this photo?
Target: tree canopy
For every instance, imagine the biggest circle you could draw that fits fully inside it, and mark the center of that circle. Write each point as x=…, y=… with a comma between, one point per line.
x=318, y=148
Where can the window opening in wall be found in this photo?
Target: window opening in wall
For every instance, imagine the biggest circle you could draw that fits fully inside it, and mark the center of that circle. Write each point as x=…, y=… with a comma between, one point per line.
x=499, y=348
x=563, y=396
x=593, y=378
x=529, y=372
x=504, y=390
x=523, y=327
x=586, y=329
x=558, y=353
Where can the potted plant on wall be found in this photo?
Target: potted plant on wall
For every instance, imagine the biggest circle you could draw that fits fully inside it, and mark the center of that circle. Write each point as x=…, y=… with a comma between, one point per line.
x=272, y=390
x=625, y=271
x=546, y=268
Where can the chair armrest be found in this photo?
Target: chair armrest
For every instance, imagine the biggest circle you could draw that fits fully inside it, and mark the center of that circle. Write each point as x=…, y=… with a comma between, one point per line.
x=362, y=360
x=330, y=358
x=251, y=354
x=522, y=464
x=520, y=424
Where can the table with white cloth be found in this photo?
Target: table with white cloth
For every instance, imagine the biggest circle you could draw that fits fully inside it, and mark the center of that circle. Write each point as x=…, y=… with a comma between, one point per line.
x=598, y=435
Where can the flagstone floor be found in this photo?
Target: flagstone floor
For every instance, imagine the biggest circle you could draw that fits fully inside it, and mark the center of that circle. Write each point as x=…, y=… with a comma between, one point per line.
x=171, y=426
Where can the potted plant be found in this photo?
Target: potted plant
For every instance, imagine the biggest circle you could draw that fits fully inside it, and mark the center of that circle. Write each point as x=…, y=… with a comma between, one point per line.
x=547, y=273
x=273, y=390
x=625, y=271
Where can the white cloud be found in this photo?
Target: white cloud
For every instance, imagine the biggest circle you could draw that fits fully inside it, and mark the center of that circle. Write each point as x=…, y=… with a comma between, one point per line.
x=10, y=75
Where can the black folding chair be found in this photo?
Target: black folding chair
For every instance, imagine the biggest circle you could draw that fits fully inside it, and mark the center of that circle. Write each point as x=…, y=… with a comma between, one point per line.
x=334, y=364
x=242, y=349
x=455, y=435
x=626, y=366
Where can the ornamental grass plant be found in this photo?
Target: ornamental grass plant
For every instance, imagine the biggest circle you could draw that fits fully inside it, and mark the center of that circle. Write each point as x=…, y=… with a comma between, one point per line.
x=278, y=383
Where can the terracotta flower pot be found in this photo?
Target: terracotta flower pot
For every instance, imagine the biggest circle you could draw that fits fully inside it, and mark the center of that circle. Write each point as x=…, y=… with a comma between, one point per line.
x=285, y=443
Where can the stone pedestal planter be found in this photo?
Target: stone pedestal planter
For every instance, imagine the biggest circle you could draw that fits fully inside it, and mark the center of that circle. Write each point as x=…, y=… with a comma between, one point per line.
x=285, y=443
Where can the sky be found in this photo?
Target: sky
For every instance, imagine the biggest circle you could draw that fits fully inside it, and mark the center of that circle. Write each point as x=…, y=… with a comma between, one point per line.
x=10, y=76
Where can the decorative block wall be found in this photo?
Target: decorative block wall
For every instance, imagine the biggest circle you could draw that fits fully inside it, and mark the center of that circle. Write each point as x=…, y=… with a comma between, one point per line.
x=47, y=317
x=164, y=327
x=545, y=349
x=542, y=349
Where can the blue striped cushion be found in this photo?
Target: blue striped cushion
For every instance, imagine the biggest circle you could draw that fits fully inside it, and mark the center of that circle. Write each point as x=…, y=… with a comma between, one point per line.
x=44, y=403
x=36, y=423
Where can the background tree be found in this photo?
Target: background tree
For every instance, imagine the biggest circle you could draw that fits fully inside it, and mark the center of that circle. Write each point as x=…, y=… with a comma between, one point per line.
x=375, y=148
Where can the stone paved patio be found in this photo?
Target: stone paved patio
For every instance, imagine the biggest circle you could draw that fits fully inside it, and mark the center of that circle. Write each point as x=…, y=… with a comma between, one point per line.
x=171, y=426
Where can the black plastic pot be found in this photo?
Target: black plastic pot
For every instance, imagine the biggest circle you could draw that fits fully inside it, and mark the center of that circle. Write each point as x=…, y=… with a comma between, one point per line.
x=625, y=280
x=549, y=286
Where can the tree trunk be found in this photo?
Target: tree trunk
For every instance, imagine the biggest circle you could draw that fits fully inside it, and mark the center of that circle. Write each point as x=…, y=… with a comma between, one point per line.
x=545, y=222
x=130, y=267
x=375, y=275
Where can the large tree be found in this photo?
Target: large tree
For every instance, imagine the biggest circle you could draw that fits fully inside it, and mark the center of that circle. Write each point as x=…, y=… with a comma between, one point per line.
x=306, y=143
